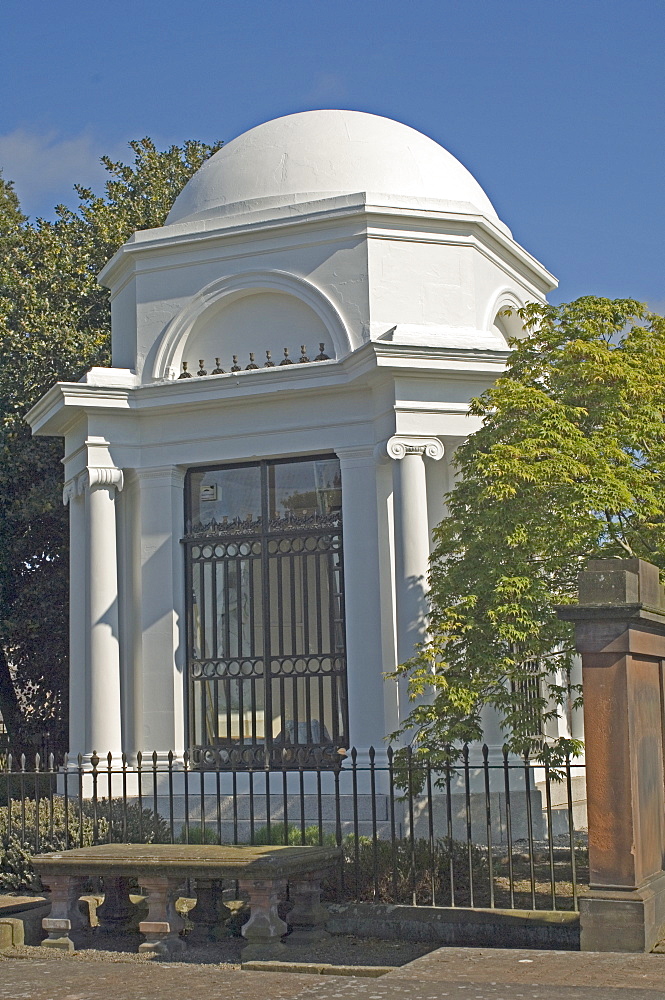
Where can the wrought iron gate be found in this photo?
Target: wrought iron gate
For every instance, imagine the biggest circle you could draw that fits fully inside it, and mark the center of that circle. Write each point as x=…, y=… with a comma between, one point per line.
x=266, y=649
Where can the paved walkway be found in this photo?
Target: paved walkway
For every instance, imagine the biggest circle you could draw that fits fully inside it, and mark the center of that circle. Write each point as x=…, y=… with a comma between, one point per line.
x=460, y=973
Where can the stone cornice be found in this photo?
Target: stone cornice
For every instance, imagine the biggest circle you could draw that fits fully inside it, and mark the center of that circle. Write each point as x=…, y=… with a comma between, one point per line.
x=434, y=223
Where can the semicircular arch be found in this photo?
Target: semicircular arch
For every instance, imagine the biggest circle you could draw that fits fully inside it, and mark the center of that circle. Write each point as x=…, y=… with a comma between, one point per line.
x=495, y=319
x=213, y=299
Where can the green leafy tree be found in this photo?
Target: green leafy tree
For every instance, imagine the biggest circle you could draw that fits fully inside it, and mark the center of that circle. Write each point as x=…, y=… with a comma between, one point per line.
x=54, y=325
x=568, y=465
x=11, y=216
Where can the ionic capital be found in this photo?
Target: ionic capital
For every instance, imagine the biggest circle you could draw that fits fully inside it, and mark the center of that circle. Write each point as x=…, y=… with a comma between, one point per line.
x=400, y=445
x=103, y=476
x=69, y=491
x=74, y=487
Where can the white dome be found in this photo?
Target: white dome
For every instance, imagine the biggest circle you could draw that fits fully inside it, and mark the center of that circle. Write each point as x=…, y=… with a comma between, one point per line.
x=321, y=154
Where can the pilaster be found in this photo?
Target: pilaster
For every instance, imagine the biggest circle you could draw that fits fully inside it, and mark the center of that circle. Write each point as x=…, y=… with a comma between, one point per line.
x=364, y=613
x=162, y=613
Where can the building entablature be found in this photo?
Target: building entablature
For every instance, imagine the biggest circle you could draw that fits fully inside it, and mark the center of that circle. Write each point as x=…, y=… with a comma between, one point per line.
x=446, y=379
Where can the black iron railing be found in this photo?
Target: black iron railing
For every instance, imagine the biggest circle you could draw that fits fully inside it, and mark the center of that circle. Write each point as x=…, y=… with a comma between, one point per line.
x=490, y=830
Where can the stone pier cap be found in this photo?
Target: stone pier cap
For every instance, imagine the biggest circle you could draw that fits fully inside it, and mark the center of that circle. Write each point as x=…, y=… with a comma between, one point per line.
x=621, y=581
x=615, y=596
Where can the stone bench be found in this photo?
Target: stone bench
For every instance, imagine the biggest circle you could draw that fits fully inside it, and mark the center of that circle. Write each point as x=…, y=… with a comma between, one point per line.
x=263, y=873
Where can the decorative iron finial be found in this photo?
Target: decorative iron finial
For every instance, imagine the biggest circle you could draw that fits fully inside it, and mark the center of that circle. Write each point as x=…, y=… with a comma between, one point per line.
x=218, y=370
x=184, y=373
x=269, y=362
x=251, y=366
x=287, y=359
x=201, y=370
x=303, y=357
x=235, y=367
x=321, y=356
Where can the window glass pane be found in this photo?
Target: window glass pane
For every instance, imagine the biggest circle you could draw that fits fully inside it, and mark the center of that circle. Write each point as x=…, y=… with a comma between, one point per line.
x=219, y=495
x=303, y=489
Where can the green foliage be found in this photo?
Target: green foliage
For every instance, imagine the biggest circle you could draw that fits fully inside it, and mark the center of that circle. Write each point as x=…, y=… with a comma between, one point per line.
x=54, y=325
x=392, y=873
x=294, y=835
x=568, y=465
x=56, y=824
x=403, y=872
x=16, y=871
x=196, y=834
x=11, y=216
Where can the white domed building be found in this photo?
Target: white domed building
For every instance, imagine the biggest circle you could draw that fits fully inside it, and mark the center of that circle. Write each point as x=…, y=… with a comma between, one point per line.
x=253, y=485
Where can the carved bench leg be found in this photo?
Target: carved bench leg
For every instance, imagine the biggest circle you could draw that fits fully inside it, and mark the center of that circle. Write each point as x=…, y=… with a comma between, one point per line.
x=308, y=917
x=65, y=915
x=209, y=914
x=163, y=923
x=117, y=914
x=264, y=929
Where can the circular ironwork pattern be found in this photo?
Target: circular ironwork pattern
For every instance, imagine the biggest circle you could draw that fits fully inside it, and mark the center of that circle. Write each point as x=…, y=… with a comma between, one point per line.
x=258, y=756
x=208, y=669
x=246, y=549
x=305, y=666
x=304, y=543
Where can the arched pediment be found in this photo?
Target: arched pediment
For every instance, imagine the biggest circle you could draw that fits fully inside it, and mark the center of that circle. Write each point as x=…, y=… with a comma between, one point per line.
x=501, y=316
x=251, y=312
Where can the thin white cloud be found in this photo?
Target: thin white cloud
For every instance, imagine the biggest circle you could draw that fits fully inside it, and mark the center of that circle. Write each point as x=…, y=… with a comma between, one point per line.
x=45, y=167
x=330, y=87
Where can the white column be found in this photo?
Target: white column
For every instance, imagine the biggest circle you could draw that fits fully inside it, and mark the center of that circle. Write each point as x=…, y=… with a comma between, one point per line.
x=71, y=495
x=362, y=597
x=412, y=538
x=103, y=688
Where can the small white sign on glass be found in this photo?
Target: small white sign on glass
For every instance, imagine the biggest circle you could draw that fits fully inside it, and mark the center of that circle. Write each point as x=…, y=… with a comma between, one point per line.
x=208, y=492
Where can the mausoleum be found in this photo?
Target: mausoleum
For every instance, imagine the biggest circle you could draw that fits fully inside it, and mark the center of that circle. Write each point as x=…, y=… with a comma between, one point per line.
x=253, y=484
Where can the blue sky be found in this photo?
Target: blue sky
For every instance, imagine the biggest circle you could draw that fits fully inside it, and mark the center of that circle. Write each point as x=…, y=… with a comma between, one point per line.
x=556, y=106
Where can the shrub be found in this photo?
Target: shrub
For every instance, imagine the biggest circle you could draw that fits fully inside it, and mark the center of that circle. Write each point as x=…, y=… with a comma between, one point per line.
x=391, y=873
x=395, y=873
x=293, y=835
x=57, y=824
x=197, y=834
x=16, y=871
